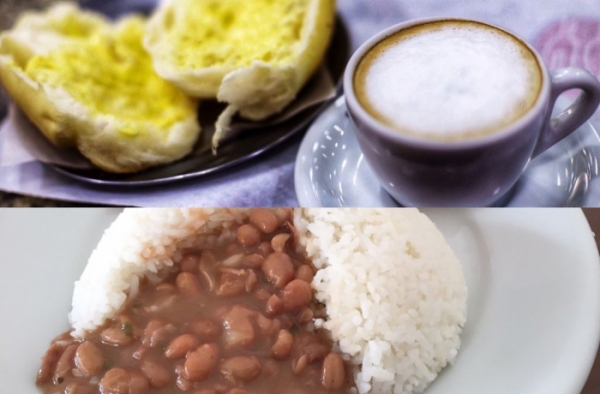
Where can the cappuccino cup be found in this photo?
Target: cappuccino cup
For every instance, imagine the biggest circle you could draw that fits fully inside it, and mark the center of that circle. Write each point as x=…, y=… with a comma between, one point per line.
x=448, y=112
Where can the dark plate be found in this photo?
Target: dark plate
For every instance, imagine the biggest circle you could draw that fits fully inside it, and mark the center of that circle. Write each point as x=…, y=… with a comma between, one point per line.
x=245, y=147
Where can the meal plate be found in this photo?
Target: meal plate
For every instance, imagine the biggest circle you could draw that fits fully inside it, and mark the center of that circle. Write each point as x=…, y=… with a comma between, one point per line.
x=534, y=310
x=245, y=147
x=331, y=170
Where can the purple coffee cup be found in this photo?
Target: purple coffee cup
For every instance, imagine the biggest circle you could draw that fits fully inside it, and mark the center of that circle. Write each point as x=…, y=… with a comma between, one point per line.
x=471, y=172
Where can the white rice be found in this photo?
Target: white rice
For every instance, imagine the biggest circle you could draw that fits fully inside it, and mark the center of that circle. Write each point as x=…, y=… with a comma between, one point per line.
x=394, y=292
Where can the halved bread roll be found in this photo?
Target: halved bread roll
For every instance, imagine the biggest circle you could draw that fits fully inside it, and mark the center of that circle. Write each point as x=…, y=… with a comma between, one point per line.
x=88, y=83
x=254, y=55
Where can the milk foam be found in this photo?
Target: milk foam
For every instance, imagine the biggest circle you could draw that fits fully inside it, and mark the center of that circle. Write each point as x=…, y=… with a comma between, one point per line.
x=453, y=80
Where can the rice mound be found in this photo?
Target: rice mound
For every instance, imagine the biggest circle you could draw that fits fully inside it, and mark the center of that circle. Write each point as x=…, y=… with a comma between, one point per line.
x=394, y=292
x=142, y=243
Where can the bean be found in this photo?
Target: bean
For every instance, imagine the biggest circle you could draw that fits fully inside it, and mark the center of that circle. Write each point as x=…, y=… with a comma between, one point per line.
x=233, y=282
x=310, y=345
x=271, y=368
x=265, y=220
x=208, y=391
x=189, y=263
x=278, y=242
x=161, y=302
x=283, y=345
x=333, y=372
x=65, y=364
x=200, y=363
x=274, y=305
x=268, y=327
x=188, y=283
x=244, y=368
x=49, y=361
x=123, y=381
x=158, y=375
x=165, y=287
x=140, y=352
x=179, y=346
x=116, y=336
x=88, y=359
x=262, y=294
x=306, y=315
x=76, y=388
x=157, y=332
x=296, y=295
x=253, y=260
x=239, y=330
x=183, y=384
x=248, y=235
x=278, y=269
x=265, y=248
x=305, y=273
x=206, y=329
x=251, y=280
x=237, y=390
x=300, y=364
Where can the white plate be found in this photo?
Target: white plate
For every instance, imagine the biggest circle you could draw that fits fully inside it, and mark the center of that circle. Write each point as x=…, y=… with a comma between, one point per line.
x=533, y=277
x=331, y=170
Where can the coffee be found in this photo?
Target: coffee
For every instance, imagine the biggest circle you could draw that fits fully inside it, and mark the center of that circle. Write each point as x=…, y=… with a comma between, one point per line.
x=448, y=80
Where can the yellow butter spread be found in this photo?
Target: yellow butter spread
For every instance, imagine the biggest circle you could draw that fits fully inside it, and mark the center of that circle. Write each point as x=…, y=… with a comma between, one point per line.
x=233, y=33
x=112, y=74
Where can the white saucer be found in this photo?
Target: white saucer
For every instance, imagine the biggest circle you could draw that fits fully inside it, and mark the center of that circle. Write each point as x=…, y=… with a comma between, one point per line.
x=331, y=170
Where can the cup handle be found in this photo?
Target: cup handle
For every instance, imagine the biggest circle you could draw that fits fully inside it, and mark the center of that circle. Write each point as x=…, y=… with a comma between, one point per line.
x=558, y=127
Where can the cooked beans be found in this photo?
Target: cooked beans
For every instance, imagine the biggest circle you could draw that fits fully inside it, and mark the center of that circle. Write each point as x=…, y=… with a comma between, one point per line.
x=265, y=220
x=157, y=332
x=254, y=260
x=123, y=381
x=278, y=242
x=200, y=363
x=296, y=295
x=274, y=305
x=305, y=273
x=239, y=330
x=49, y=362
x=77, y=388
x=278, y=269
x=206, y=329
x=88, y=359
x=241, y=368
x=237, y=391
x=117, y=336
x=333, y=374
x=179, y=346
x=188, y=283
x=248, y=235
x=235, y=319
x=158, y=375
x=265, y=249
x=65, y=364
x=283, y=345
x=189, y=263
